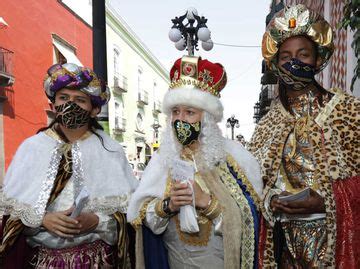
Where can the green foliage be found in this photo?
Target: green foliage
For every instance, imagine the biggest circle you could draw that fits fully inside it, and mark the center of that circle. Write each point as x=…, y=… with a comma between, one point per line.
x=352, y=19
x=105, y=125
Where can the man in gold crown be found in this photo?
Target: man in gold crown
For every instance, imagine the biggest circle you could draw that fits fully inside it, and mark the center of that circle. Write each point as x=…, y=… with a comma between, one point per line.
x=309, y=142
x=224, y=188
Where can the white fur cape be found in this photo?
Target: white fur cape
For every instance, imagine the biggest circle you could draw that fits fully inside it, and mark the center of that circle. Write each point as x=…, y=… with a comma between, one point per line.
x=28, y=182
x=153, y=181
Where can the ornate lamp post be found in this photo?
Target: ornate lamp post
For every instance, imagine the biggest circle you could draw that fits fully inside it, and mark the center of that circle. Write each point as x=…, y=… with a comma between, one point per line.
x=232, y=122
x=257, y=115
x=188, y=29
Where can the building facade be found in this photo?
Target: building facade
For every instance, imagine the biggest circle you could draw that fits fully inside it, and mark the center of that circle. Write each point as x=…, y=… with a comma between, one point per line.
x=38, y=34
x=138, y=82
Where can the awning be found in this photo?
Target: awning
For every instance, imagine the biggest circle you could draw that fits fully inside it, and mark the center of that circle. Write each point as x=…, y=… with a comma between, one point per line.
x=3, y=23
x=67, y=53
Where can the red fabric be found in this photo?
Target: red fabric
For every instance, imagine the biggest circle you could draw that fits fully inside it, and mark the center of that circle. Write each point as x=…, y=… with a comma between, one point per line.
x=262, y=242
x=216, y=71
x=347, y=198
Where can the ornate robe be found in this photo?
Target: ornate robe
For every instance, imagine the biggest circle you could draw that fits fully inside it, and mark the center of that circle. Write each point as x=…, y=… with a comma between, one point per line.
x=334, y=139
x=235, y=183
x=37, y=171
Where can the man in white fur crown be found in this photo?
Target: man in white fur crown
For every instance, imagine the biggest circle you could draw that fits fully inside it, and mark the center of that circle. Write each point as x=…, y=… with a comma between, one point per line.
x=215, y=179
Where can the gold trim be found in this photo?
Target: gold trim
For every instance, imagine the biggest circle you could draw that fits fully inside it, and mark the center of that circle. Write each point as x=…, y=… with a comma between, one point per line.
x=136, y=223
x=246, y=223
x=200, y=238
x=222, y=80
x=213, y=210
x=193, y=83
x=159, y=209
x=50, y=132
x=241, y=175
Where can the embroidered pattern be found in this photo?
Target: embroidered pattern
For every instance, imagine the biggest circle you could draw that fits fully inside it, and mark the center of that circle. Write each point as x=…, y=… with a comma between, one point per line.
x=195, y=239
x=246, y=222
x=205, y=76
x=240, y=174
x=334, y=156
x=136, y=223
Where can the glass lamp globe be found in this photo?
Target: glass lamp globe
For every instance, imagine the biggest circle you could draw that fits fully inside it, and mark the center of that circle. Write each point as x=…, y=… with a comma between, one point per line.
x=180, y=45
x=203, y=34
x=174, y=34
x=208, y=45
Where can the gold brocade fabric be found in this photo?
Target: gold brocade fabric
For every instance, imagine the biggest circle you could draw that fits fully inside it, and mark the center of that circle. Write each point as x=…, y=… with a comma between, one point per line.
x=297, y=20
x=334, y=138
x=200, y=238
x=298, y=163
x=306, y=245
x=246, y=223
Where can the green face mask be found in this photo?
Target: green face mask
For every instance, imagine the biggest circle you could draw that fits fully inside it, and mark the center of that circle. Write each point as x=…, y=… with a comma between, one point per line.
x=185, y=132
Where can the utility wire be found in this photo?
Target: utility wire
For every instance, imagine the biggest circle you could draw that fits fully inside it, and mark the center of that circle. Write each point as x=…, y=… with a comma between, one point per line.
x=233, y=45
x=236, y=46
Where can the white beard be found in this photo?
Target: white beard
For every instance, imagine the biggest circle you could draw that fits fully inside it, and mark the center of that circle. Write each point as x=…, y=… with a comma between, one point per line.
x=211, y=144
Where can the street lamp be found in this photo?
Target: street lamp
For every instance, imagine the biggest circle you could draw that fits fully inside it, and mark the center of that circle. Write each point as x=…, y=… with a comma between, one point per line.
x=257, y=115
x=156, y=127
x=232, y=122
x=187, y=34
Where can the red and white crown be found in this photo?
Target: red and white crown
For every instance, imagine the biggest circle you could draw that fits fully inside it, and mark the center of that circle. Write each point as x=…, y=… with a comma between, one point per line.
x=197, y=83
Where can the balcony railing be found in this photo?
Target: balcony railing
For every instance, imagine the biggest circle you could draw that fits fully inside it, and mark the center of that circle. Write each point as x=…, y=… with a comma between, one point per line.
x=6, y=74
x=157, y=107
x=120, y=83
x=143, y=98
x=120, y=125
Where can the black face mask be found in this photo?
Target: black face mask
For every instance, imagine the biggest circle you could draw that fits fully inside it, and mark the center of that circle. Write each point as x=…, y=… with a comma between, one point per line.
x=71, y=115
x=185, y=132
x=296, y=75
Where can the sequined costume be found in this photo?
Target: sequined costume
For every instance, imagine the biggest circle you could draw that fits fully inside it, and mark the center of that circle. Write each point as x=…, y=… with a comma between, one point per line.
x=208, y=247
x=318, y=147
x=30, y=190
x=310, y=141
x=228, y=226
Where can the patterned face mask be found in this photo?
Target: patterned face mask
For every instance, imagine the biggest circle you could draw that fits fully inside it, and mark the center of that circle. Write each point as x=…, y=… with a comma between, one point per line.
x=296, y=74
x=185, y=132
x=71, y=115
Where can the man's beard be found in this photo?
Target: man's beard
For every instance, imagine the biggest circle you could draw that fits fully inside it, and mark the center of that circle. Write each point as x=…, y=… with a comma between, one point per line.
x=211, y=149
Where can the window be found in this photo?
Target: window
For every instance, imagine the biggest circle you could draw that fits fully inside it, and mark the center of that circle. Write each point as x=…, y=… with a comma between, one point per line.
x=139, y=122
x=118, y=114
x=154, y=88
x=140, y=80
x=116, y=62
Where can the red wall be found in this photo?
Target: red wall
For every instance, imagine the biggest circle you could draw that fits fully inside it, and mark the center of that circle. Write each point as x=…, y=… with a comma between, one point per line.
x=28, y=35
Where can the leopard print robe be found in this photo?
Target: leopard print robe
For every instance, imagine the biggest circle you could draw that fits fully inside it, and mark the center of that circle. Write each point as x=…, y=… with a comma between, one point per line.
x=335, y=138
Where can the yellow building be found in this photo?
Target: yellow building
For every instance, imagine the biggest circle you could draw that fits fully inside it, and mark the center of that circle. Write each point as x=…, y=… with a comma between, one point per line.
x=138, y=82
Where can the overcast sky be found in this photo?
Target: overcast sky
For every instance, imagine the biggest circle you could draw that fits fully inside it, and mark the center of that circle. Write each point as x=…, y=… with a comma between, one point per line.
x=231, y=22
